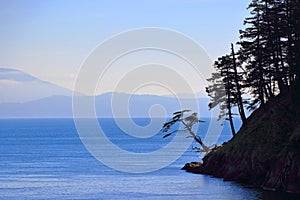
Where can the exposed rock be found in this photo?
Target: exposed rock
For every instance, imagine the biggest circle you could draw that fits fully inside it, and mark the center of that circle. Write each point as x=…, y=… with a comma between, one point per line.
x=193, y=167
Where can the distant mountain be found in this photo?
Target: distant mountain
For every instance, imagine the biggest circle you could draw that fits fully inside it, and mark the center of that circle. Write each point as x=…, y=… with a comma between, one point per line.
x=201, y=94
x=105, y=104
x=17, y=87
x=49, y=107
x=25, y=96
x=145, y=105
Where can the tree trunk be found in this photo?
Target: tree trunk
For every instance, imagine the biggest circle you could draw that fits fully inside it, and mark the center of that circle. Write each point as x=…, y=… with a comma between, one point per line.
x=229, y=110
x=196, y=138
x=205, y=148
x=231, y=120
x=238, y=88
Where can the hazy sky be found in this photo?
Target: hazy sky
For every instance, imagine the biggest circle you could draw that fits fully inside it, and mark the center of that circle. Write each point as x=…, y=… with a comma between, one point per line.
x=51, y=39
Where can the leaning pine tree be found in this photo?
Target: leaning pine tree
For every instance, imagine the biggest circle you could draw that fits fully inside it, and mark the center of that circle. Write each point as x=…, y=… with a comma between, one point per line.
x=188, y=121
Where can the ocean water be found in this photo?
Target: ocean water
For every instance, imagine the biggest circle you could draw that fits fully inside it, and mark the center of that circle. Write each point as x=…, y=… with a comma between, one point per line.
x=45, y=159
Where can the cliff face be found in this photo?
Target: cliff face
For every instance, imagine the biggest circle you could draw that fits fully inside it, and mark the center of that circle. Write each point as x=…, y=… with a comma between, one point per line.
x=266, y=152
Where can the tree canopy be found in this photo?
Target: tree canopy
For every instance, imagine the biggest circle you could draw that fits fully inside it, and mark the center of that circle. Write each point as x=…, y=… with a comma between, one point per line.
x=266, y=63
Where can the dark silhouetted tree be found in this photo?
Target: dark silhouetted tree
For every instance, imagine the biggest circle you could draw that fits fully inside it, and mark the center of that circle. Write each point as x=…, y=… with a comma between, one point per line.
x=188, y=121
x=267, y=62
x=223, y=91
x=237, y=80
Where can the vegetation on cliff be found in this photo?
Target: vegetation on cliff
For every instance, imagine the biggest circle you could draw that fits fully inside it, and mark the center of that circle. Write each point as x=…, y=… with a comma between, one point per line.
x=265, y=153
x=266, y=63
x=263, y=75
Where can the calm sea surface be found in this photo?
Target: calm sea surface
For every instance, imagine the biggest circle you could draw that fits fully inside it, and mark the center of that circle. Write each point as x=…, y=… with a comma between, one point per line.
x=45, y=159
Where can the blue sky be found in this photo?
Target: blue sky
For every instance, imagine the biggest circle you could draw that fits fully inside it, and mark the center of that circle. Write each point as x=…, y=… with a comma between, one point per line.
x=51, y=39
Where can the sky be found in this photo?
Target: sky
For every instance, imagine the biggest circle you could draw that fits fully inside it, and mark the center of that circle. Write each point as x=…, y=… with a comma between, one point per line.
x=51, y=39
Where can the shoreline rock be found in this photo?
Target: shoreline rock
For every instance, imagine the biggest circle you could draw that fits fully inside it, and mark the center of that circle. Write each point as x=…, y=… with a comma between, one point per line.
x=193, y=167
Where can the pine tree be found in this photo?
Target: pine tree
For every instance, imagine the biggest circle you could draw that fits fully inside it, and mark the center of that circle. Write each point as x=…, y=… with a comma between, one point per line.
x=238, y=87
x=292, y=10
x=188, y=121
x=223, y=91
x=268, y=57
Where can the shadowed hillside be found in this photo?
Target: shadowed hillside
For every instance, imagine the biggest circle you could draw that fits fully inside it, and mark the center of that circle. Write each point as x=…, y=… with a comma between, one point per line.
x=265, y=153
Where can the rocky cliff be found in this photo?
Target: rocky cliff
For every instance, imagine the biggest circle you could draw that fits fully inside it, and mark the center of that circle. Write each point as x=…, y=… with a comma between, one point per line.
x=265, y=152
